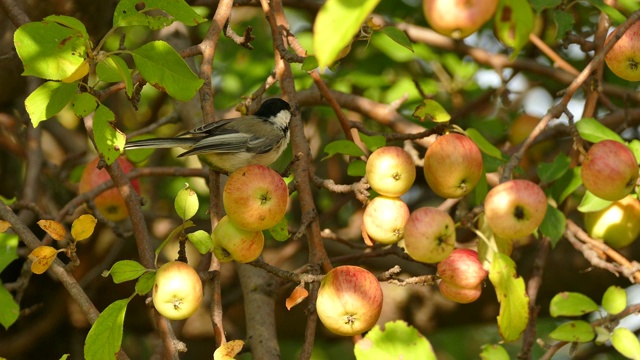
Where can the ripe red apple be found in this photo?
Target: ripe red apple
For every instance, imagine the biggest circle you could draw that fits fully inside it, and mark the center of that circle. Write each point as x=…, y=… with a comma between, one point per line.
x=609, y=170
x=624, y=57
x=390, y=171
x=618, y=224
x=429, y=235
x=461, y=275
x=109, y=203
x=384, y=219
x=255, y=197
x=458, y=18
x=453, y=165
x=515, y=208
x=177, y=292
x=233, y=243
x=349, y=300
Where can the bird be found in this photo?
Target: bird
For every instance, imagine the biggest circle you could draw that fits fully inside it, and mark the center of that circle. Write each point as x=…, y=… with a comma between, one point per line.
x=229, y=144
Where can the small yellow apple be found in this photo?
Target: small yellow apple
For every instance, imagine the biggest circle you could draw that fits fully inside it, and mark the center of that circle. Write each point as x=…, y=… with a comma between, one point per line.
x=618, y=224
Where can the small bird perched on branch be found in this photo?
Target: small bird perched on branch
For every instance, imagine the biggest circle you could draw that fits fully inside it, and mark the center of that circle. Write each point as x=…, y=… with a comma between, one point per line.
x=230, y=144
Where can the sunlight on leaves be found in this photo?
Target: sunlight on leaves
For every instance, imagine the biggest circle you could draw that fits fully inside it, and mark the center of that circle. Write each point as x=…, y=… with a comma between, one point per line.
x=83, y=227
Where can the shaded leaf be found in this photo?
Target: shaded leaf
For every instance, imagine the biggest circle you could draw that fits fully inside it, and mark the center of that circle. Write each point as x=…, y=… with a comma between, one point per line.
x=373, y=142
x=10, y=309
x=614, y=15
x=513, y=23
x=105, y=337
x=8, y=249
x=553, y=224
x=593, y=131
x=201, y=240
x=484, y=145
x=431, y=110
x=145, y=283
x=357, y=168
x=83, y=227
x=84, y=104
x=42, y=257
x=186, y=203
x=554, y=170
x=397, y=35
x=298, y=294
x=280, y=231
x=344, y=147
x=229, y=350
x=125, y=270
x=566, y=185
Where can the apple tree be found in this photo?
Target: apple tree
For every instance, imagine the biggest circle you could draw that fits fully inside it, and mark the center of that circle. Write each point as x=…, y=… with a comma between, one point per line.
x=460, y=180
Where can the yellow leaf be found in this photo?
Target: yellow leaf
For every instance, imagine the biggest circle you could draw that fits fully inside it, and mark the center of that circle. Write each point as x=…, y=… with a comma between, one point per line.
x=229, y=350
x=42, y=257
x=83, y=227
x=53, y=228
x=297, y=295
x=4, y=225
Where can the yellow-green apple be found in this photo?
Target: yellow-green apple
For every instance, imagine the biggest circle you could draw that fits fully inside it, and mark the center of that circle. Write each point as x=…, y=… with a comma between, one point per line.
x=109, y=203
x=390, y=171
x=618, y=224
x=384, y=219
x=349, y=300
x=515, y=208
x=177, y=292
x=458, y=18
x=609, y=170
x=429, y=235
x=461, y=275
x=233, y=243
x=624, y=57
x=255, y=197
x=452, y=165
x=518, y=132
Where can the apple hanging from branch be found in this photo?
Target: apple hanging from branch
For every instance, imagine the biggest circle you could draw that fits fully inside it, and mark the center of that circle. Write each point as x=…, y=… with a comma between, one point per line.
x=429, y=235
x=177, y=292
x=390, y=171
x=624, y=57
x=458, y=18
x=618, y=224
x=609, y=170
x=233, y=243
x=461, y=275
x=384, y=219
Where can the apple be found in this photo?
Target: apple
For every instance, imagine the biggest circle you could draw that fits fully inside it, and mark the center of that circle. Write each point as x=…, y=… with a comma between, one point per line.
x=624, y=57
x=617, y=224
x=518, y=132
x=233, y=243
x=390, y=171
x=461, y=275
x=384, y=219
x=609, y=170
x=255, y=197
x=177, y=292
x=349, y=300
x=515, y=208
x=109, y=203
x=458, y=18
x=429, y=235
x=452, y=165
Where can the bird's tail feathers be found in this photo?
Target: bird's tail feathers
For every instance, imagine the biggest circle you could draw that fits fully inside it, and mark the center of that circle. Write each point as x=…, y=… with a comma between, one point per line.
x=161, y=143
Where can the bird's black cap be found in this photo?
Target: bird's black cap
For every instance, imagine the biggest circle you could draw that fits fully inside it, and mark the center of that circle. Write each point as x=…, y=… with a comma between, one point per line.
x=271, y=107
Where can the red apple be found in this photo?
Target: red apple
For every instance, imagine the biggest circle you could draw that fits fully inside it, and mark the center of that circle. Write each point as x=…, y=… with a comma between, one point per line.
x=624, y=57
x=429, y=235
x=384, y=219
x=233, y=243
x=177, y=292
x=461, y=275
x=390, y=171
x=255, y=197
x=458, y=294
x=618, y=224
x=349, y=300
x=609, y=170
x=109, y=203
x=458, y=18
x=515, y=208
x=453, y=165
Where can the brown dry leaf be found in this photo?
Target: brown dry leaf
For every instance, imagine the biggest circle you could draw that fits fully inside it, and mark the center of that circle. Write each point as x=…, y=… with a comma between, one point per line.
x=53, y=228
x=229, y=350
x=42, y=257
x=83, y=227
x=4, y=225
x=297, y=295
x=365, y=236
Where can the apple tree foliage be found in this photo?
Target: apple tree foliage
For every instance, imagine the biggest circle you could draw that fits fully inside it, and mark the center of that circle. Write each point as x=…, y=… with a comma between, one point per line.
x=360, y=75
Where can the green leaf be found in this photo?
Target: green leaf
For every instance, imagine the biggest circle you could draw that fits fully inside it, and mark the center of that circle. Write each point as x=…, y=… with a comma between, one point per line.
x=431, y=110
x=548, y=172
x=114, y=69
x=514, y=302
x=187, y=224
x=397, y=341
x=105, y=337
x=564, y=21
x=127, y=13
x=344, y=147
x=125, y=270
x=484, y=145
x=109, y=140
x=574, y=331
x=614, y=15
x=49, y=50
x=10, y=309
x=201, y=240
x=280, y=231
x=566, y=185
x=571, y=304
x=309, y=63
x=591, y=203
x=593, y=131
x=493, y=352
x=634, y=146
x=172, y=74
x=48, y=99
x=373, y=142
x=539, y=5
x=602, y=335
x=397, y=35
x=84, y=104
x=614, y=300
x=553, y=224
x=626, y=343
x=145, y=283
x=186, y=203
x=336, y=24
x=8, y=250
x=513, y=23
x=69, y=22
x=357, y=168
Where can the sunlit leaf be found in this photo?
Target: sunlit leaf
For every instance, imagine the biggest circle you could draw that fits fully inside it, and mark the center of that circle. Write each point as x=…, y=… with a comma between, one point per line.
x=512, y=295
x=10, y=309
x=201, y=240
x=145, y=283
x=614, y=15
x=614, y=300
x=571, y=304
x=373, y=142
x=591, y=203
x=130, y=12
x=298, y=294
x=42, y=257
x=48, y=99
x=344, y=147
x=125, y=270
x=397, y=35
x=626, y=343
x=109, y=140
x=397, y=341
x=4, y=225
x=229, y=350
x=186, y=203
x=55, y=229
x=8, y=249
x=431, y=110
x=593, y=131
x=574, y=331
x=84, y=104
x=493, y=352
x=484, y=144
x=83, y=227
x=514, y=23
